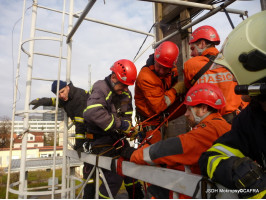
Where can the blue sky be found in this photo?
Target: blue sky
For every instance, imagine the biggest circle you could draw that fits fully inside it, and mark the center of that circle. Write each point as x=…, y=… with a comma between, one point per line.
x=93, y=44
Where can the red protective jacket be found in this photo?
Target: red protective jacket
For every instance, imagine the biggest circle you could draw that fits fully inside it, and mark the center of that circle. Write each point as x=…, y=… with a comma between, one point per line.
x=217, y=75
x=152, y=93
x=184, y=149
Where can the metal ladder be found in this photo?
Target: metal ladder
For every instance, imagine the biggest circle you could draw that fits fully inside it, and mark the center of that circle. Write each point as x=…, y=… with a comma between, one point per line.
x=25, y=113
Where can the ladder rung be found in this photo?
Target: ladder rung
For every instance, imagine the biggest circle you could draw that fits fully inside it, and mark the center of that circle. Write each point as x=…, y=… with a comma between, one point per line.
x=34, y=111
x=49, y=55
x=43, y=30
x=42, y=79
x=44, y=131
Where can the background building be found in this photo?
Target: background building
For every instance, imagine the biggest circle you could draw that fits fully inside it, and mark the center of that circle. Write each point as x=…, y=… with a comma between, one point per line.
x=35, y=125
x=51, y=116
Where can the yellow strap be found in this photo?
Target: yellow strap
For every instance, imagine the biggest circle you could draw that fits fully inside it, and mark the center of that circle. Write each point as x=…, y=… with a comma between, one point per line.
x=130, y=184
x=126, y=93
x=105, y=197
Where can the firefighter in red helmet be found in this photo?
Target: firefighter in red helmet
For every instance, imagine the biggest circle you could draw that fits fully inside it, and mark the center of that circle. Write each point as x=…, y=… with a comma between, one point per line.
x=108, y=118
x=199, y=69
x=157, y=88
x=203, y=102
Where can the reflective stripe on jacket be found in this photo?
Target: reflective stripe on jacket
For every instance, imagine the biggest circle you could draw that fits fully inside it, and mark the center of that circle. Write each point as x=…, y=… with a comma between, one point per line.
x=219, y=76
x=246, y=138
x=186, y=148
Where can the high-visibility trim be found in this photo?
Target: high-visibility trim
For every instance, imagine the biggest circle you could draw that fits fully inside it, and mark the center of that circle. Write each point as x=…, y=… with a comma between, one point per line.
x=131, y=184
x=93, y=106
x=126, y=93
x=146, y=156
x=53, y=101
x=79, y=136
x=213, y=162
x=108, y=96
x=111, y=124
x=79, y=119
x=167, y=100
x=259, y=195
x=103, y=196
x=90, y=181
x=225, y=150
x=129, y=113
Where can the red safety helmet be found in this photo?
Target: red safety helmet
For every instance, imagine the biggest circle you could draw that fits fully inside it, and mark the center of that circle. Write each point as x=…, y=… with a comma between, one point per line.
x=125, y=71
x=166, y=54
x=205, y=93
x=205, y=32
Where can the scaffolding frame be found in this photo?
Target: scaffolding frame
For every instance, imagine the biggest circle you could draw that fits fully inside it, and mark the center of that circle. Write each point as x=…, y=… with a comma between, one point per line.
x=184, y=179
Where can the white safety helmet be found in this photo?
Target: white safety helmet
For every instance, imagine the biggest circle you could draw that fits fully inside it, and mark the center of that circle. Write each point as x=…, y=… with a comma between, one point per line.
x=244, y=51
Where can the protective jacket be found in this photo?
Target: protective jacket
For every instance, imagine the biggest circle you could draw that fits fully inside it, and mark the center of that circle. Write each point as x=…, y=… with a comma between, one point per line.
x=217, y=75
x=246, y=139
x=185, y=149
x=103, y=114
x=153, y=95
x=74, y=107
x=105, y=109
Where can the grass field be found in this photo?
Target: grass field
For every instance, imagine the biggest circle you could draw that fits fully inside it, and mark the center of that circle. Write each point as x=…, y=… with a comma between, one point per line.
x=35, y=179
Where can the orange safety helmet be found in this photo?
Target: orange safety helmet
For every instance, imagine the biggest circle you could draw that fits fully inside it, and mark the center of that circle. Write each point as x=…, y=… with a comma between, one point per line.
x=205, y=32
x=125, y=71
x=205, y=93
x=166, y=54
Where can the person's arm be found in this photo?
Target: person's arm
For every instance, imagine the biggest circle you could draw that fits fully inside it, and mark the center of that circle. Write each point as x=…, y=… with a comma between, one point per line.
x=184, y=149
x=157, y=98
x=226, y=162
x=42, y=102
x=97, y=111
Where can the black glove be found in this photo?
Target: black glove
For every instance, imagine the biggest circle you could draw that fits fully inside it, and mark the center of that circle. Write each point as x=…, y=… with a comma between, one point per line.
x=127, y=152
x=247, y=174
x=41, y=102
x=79, y=146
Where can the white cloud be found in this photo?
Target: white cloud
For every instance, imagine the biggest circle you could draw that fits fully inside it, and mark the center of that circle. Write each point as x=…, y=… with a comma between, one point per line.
x=93, y=44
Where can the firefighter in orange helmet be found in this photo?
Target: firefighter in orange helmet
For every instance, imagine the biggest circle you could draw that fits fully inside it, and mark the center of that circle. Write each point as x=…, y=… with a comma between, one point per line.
x=157, y=87
x=199, y=69
x=203, y=102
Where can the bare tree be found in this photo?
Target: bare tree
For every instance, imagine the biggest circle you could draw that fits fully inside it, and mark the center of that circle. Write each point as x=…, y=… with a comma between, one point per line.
x=5, y=130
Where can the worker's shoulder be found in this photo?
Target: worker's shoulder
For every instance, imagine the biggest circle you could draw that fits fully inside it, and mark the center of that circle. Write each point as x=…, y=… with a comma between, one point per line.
x=196, y=60
x=147, y=74
x=100, y=85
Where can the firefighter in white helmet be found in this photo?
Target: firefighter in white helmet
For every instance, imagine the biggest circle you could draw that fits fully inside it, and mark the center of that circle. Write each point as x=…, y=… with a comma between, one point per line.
x=237, y=160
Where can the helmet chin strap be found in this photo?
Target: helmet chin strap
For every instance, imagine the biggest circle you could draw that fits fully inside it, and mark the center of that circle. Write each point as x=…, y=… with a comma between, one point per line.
x=197, y=118
x=201, y=50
